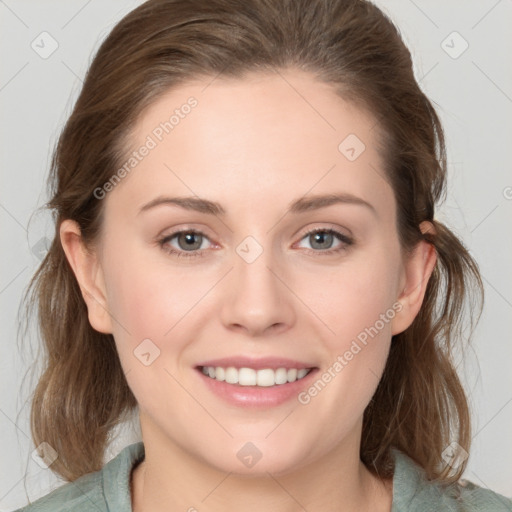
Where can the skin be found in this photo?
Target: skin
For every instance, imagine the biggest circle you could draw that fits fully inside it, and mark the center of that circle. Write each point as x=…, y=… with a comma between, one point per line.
x=254, y=145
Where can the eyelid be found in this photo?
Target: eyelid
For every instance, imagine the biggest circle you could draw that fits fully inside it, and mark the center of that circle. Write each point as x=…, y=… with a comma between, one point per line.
x=163, y=240
x=326, y=226
x=345, y=240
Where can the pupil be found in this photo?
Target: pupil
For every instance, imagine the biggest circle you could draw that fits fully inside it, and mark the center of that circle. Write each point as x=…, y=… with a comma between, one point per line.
x=321, y=238
x=189, y=241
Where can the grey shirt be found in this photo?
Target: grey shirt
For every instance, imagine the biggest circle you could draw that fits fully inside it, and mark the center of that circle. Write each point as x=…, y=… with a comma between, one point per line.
x=108, y=490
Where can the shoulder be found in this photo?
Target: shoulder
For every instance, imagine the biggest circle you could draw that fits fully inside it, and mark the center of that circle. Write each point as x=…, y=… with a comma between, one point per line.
x=412, y=492
x=103, y=490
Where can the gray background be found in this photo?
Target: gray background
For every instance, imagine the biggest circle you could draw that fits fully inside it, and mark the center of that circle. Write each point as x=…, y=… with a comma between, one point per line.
x=472, y=93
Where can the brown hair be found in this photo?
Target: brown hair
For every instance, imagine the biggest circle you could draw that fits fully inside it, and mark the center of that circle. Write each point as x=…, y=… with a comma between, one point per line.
x=419, y=406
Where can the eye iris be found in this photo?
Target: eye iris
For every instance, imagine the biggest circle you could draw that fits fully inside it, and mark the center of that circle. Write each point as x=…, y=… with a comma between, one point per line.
x=321, y=237
x=189, y=241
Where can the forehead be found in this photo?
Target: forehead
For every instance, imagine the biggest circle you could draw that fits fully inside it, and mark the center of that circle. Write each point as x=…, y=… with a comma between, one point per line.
x=260, y=139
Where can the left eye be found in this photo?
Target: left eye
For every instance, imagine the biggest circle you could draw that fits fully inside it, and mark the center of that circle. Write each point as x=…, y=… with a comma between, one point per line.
x=188, y=241
x=322, y=239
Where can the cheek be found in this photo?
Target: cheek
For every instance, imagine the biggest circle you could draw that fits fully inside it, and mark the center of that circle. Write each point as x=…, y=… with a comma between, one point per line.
x=356, y=305
x=358, y=308
x=148, y=299
x=352, y=297
x=152, y=306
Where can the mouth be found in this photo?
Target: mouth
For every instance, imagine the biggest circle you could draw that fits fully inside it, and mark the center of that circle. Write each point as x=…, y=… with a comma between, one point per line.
x=270, y=384
x=263, y=377
x=256, y=382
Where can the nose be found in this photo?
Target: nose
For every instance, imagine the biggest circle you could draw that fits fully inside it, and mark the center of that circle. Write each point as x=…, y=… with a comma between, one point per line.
x=257, y=300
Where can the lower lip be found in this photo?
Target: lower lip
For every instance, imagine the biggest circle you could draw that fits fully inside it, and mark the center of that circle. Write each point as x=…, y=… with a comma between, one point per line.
x=257, y=396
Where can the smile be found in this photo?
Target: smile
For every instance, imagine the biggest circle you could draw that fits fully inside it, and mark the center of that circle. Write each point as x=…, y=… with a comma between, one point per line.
x=265, y=377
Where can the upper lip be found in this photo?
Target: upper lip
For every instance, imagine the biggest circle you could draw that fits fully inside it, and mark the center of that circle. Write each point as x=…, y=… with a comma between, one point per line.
x=256, y=363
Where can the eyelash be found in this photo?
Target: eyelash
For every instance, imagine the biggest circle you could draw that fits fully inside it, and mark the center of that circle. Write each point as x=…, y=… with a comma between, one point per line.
x=346, y=241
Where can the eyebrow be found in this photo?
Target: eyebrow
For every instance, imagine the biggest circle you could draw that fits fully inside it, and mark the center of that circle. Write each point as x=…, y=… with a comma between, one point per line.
x=304, y=204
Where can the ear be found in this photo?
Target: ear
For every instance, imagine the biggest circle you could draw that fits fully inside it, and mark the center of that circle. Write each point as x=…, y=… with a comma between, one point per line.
x=89, y=275
x=415, y=276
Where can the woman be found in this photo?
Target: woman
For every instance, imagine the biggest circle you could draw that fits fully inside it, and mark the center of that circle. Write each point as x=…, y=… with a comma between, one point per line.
x=246, y=250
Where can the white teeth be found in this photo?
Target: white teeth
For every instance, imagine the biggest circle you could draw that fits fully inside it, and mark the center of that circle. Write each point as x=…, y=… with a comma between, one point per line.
x=292, y=375
x=281, y=376
x=249, y=377
x=302, y=373
x=266, y=377
x=231, y=375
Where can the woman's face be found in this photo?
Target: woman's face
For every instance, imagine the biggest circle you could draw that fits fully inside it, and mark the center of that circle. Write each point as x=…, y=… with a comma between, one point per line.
x=252, y=289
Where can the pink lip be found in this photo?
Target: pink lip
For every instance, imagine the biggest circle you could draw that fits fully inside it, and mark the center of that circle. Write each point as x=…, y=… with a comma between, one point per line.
x=255, y=396
x=257, y=364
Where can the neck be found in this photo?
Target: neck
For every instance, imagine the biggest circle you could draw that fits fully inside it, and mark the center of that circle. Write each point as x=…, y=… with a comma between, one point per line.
x=171, y=479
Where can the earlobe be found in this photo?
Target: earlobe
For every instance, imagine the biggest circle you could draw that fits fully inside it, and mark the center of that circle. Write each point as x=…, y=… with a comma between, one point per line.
x=417, y=271
x=88, y=274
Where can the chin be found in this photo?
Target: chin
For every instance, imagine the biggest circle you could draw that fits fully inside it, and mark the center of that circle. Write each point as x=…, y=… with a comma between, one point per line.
x=257, y=459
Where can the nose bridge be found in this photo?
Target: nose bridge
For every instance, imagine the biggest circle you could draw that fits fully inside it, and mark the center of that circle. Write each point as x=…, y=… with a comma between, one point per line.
x=252, y=268
x=257, y=300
